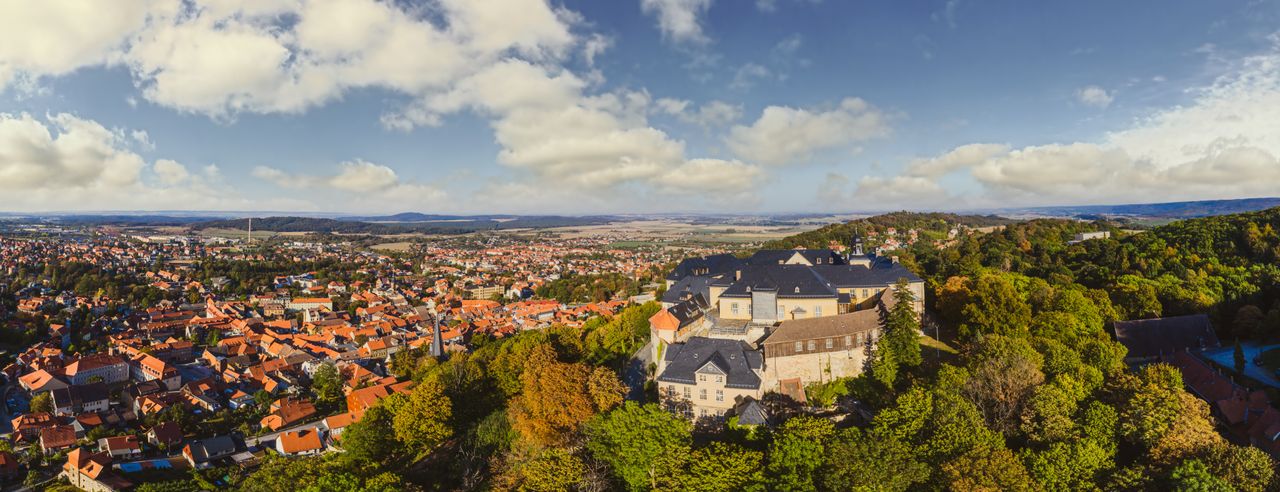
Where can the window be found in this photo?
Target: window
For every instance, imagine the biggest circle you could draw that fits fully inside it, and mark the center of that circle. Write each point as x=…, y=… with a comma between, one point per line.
x=702, y=394
x=733, y=307
x=782, y=308
x=719, y=379
x=864, y=294
x=702, y=377
x=829, y=343
x=719, y=395
x=848, y=340
x=671, y=389
x=686, y=392
x=817, y=311
x=812, y=346
x=799, y=346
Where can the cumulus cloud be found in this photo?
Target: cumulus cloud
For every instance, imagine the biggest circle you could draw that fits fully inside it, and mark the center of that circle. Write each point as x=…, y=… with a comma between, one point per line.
x=1094, y=96
x=710, y=176
x=52, y=37
x=369, y=186
x=784, y=135
x=678, y=19
x=962, y=157
x=65, y=162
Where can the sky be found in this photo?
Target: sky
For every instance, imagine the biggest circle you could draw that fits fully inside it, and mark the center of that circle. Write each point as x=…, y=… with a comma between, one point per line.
x=634, y=106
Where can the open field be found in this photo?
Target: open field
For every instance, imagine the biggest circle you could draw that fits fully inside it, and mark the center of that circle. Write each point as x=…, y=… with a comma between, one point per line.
x=400, y=246
x=636, y=233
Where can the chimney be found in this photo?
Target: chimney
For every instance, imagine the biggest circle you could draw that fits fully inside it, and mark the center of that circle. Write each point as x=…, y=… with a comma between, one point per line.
x=737, y=275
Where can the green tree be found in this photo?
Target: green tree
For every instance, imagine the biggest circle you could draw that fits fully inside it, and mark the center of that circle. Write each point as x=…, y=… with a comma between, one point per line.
x=1195, y=476
x=987, y=469
x=327, y=385
x=797, y=450
x=717, y=467
x=900, y=345
x=372, y=438
x=858, y=460
x=551, y=470
x=632, y=438
x=42, y=402
x=995, y=307
x=1247, y=468
x=1068, y=466
x=422, y=422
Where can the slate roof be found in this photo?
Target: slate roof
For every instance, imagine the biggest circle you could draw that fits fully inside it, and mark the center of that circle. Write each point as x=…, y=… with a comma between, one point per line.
x=776, y=256
x=1164, y=336
x=688, y=286
x=689, y=310
x=751, y=412
x=705, y=265
x=79, y=395
x=786, y=280
x=212, y=448
x=737, y=360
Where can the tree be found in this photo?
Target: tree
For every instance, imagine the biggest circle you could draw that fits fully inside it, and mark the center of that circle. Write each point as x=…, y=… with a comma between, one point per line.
x=632, y=438
x=900, y=345
x=1068, y=466
x=1238, y=358
x=557, y=397
x=42, y=402
x=1195, y=476
x=1247, y=468
x=1005, y=372
x=995, y=307
x=796, y=452
x=717, y=467
x=551, y=470
x=327, y=384
x=422, y=423
x=857, y=460
x=372, y=438
x=987, y=469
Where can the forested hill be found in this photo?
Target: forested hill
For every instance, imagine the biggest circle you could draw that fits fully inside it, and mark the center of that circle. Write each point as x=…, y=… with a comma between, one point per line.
x=929, y=225
x=1226, y=266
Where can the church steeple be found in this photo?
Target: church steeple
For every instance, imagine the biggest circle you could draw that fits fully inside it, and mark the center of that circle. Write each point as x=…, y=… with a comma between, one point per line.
x=855, y=245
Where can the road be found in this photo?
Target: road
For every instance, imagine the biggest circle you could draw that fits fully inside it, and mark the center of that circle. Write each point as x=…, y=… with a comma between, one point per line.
x=638, y=371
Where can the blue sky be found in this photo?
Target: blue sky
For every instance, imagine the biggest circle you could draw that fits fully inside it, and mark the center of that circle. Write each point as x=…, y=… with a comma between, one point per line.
x=634, y=106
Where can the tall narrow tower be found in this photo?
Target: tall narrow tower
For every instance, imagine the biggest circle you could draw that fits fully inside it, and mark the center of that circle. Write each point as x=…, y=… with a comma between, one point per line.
x=855, y=246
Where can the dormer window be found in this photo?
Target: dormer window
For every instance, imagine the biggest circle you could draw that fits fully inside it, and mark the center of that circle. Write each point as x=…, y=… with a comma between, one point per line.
x=797, y=289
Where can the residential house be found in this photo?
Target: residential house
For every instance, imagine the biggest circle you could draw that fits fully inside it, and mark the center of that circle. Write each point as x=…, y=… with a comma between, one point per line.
x=40, y=381
x=166, y=434
x=304, y=442
x=203, y=453
x=10, y=467
x=146, y=367
x=126, y=447
x=75, y=400
x=288, y=411
x=57, y=438
x=92, y=472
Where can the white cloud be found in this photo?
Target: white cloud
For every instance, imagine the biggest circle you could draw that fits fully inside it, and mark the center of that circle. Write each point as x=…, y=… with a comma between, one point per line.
x=772, y=5
x=55, y=37
x=713, y=114
x=363, y=177
x=678, y=19
x=747, y=75
x=171, y=172
x=65, y=162
x=710, y=176
x=594, y=46
x=1094, y=96
x=962, y=157
x=784, y=135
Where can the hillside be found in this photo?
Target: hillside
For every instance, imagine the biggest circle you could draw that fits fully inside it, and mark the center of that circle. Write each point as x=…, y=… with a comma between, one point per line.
x=1171, y=210
x=929, y=225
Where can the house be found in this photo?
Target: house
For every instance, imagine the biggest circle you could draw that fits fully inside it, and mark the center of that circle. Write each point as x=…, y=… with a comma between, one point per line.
x=146, y=367
x=57, y=438
x=361, y=400
x=102, y=368
x=27, y=426
x=202, y=453
x=305, y=442
x=812, y=350
x=120, y=446
x=707, y=377
x=10, y=467
x=1148, y=340
x=40, y=381
x=91, y=472
x=334, y=424
x=671, y=324
x=166, y=434
x=74, y=400
x=288, y=411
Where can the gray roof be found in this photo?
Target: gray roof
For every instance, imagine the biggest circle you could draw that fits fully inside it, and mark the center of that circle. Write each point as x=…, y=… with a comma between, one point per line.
x=777, y=256
x=733, y=358
x=212, y=448
x=751, y=412
x=706, y=265
x=689, y=310
x=688, y=286
x=1165, y=336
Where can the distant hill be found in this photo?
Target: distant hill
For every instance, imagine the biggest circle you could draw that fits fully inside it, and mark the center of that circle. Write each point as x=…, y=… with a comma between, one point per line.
x=929, y=225
x=407, y=223
x=1171, y=210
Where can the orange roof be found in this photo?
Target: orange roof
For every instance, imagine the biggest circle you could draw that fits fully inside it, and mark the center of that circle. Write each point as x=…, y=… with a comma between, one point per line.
x=300, y=441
